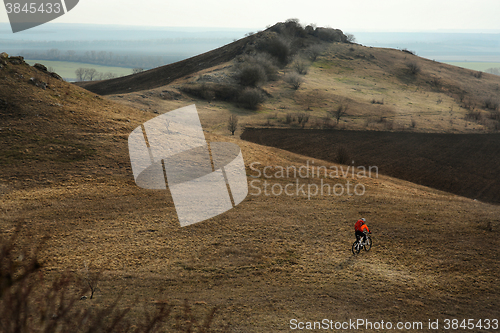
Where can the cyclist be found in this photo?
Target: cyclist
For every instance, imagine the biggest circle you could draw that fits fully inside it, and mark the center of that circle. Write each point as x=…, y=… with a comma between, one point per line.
x=360, y=229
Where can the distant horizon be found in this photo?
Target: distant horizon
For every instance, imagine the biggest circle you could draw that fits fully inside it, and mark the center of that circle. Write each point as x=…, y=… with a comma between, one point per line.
x=359, y=15
x=249, y=29
x=176, y=43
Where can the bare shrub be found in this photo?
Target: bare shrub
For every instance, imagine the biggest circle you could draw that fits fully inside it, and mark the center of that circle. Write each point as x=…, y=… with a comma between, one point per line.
x=408, y=51
x=350, y=38
x=340, y=111
x=250, y=98
x=277, y=47
x=232, y=124
x=328, y=123
x=300, y=66
x=314, y=51
x=413, y=67
x=137, y=70
x=305, y=120
x=389, y=125
x=413, y=123
x=381, y=102
x=477, y=74
x=469, y=104
x=436, y=83
x=495, y=115
x=263, y=60
x=342, y=156
x=211, y=91
x=288, y=118
x=252, y=75
x=473, y=115
x=491, y=103
x=294, y=80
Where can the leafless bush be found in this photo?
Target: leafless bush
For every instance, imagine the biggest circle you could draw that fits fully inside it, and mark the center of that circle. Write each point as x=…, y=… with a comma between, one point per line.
x=413, y=67
x=91, y=279
x=469, y=104
x=261, y=59
x=342, y=156
x=436, y=82
x=300, y=66
x=288, y=118
x=473, y=115
x=408, y=51
x=495, y=115
x=305, y=120
x=350, y=38
x=389, y=125
x=211, y=91
x=413, y=123
x=302, y=119
x=232, y=124
x=328, y=123
x=277, y=47
x=477, y=74
x=294, y=80
x=374, y=101
x=314, y=51
x=491, y=103
x=250, y=98
x=340, y=111
x=137, y=70
x=252, y=75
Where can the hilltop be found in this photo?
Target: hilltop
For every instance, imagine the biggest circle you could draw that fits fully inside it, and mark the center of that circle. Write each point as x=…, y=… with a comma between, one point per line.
x=290, y=78
x=66, y=174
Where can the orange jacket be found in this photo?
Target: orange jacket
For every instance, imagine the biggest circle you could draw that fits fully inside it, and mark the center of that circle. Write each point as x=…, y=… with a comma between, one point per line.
x=359, y=226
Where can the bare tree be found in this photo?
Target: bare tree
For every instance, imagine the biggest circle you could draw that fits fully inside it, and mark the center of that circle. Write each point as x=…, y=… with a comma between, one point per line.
x=90, y=74
x=232, y=123
x=350, y=38
x=314, y=51
x=413, y=67
x=340, y=111
x=91, y=279
x=80, y=73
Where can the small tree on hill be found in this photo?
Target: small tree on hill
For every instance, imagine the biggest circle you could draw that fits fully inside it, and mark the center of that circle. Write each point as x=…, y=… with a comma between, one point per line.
x=232, y=124
x=340, y=111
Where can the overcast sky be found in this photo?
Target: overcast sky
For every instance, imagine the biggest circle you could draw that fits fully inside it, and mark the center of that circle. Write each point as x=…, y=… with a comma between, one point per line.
x=347, y=15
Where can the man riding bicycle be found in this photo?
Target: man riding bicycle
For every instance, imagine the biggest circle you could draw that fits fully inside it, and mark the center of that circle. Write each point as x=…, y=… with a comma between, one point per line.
x=360, y=229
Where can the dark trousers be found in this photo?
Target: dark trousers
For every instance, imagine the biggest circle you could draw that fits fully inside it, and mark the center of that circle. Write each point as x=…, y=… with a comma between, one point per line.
x=359, y=234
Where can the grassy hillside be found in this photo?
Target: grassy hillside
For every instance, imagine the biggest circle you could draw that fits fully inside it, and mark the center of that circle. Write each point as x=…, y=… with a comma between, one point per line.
x=66, y=174
x=375, y=85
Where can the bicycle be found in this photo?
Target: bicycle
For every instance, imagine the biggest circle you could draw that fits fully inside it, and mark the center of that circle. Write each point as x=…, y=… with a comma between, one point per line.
x=358, y=244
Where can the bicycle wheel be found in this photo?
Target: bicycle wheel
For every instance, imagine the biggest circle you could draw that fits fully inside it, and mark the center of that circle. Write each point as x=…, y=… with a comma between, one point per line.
x=368, y=244
x=355, y=247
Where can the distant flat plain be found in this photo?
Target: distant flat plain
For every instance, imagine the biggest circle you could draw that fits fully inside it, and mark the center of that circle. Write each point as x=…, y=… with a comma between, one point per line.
x=67, y=69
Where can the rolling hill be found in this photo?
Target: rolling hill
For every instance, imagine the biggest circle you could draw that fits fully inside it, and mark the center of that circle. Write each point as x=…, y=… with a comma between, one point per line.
x=66, y=174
